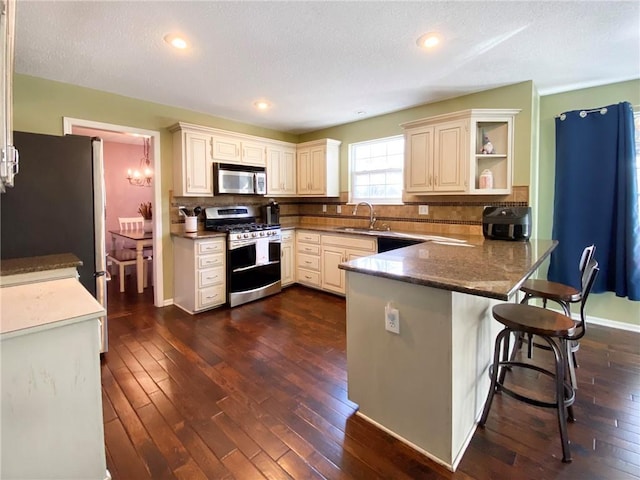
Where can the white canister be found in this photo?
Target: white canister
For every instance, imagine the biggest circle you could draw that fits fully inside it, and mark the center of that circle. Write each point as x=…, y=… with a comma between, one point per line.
x=486, y=179
x=191, y=224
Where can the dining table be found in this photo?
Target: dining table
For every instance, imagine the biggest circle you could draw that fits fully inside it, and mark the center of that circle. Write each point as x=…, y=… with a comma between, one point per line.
x=142, y=239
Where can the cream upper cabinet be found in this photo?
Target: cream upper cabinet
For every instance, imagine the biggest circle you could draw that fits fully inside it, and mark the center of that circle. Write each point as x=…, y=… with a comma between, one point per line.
x=419, y=159
x=318, y=168
x=450, y=155
x=494, y=160
x=9, y=157
x=444, y=154
x=196, y=148
x=192, y=162
x=281, y=170
x=436, y=156
x=238, y=150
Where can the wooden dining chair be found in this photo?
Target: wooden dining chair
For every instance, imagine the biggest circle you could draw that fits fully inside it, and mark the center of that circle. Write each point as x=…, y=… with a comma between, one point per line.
x=127, y=224
x=125, y=255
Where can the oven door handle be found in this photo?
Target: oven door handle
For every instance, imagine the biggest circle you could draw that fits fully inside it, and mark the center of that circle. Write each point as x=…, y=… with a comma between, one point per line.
x=243, y=269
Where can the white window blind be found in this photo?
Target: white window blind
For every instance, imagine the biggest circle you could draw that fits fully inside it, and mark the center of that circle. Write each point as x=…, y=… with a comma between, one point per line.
x=376, y=170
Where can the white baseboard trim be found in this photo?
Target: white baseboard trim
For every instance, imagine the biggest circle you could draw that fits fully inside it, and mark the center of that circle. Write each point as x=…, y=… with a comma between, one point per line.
x=630, y=327
x=604, y=322
x=449, y=467
x=168, y=302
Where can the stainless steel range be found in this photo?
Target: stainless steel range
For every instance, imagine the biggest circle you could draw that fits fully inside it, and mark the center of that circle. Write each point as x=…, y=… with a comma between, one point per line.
x=253, y=252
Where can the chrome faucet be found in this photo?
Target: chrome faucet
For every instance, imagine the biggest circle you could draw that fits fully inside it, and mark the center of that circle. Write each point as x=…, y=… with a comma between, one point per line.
x=372, y=219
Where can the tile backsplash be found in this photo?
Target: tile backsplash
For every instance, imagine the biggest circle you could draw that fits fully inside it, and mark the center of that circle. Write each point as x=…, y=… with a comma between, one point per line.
x=460, y=214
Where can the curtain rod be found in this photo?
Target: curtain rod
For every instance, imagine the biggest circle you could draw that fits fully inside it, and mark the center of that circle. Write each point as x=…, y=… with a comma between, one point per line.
x=584, y=113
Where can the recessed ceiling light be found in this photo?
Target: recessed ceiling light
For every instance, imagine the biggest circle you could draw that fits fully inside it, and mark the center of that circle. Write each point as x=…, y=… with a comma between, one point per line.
x=429, y=40
x=262, y=105
x=360, y=112
x=176, y=41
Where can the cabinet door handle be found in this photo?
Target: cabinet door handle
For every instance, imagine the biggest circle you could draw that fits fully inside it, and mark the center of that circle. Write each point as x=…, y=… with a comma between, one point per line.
x=307, y=262
x=436, y=180
x=211, y=143
x=430, y=179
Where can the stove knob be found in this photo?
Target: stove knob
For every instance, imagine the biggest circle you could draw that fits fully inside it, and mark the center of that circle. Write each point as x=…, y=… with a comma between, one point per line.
x=262, y=234
x=254, y=234
x=246, y=235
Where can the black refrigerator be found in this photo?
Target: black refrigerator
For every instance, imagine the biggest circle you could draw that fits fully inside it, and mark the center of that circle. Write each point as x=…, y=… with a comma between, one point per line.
x=57, y=205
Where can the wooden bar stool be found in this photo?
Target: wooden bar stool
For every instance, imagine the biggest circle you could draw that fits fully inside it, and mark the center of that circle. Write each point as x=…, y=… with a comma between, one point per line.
x=557, y=331
x=563, y=295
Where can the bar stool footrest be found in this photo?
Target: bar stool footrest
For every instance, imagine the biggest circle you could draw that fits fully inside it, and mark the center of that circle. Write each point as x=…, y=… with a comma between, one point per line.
x=570, y=394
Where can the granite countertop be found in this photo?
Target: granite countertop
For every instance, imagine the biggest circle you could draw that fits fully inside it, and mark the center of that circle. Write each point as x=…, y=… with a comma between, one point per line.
x=14, y=266
x=487, y=268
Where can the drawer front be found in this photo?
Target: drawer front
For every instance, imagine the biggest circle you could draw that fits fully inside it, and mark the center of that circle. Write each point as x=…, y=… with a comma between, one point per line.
x=367, y=244
x=287, y=236
x=210, y=261
x=211, y=276
x=310, y=262
x=308, y=237
x=309, y=277
x=210, y=296
x=216, y=246
x=309, y=249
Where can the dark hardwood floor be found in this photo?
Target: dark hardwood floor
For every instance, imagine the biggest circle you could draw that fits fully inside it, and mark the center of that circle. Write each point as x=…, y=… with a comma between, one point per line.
x=260, y=391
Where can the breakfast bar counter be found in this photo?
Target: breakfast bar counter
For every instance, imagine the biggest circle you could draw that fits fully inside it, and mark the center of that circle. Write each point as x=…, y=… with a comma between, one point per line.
x=427, y=384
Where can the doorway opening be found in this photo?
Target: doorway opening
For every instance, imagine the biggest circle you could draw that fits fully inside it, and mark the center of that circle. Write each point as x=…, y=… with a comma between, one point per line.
x=125, y=136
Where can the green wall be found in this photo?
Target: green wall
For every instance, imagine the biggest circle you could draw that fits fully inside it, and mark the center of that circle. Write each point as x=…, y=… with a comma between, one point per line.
x=605, y=305
x=512, y=96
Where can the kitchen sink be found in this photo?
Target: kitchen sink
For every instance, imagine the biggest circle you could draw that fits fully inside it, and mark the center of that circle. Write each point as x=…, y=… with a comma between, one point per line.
x=368, y=231
x=393, y=234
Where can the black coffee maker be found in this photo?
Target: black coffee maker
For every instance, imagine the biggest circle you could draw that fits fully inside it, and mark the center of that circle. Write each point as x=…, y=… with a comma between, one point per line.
x=272, y=213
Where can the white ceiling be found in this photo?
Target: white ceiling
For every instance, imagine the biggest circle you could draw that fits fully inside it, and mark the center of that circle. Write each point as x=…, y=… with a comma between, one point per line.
x=320, y=62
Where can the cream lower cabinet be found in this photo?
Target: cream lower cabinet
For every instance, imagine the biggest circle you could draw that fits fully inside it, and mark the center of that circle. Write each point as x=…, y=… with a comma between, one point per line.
x=199, y=273
x=336, y=249
x=308, y=258
x=287, y=256
x=50, y=392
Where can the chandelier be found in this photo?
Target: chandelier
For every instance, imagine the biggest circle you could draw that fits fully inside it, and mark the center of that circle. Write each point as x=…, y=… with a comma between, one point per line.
x=141, y=177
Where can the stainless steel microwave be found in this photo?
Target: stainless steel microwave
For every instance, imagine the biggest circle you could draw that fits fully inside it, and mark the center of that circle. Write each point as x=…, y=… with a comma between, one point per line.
x=239, y=179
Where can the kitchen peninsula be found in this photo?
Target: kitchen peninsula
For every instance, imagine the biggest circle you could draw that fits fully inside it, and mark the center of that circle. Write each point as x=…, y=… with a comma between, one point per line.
x=427, y=384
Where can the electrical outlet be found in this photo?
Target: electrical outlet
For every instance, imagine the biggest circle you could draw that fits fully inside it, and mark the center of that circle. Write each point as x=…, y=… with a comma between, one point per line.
x=391, y=319
x=339, y=209
x=324, y=209
x=423, y=210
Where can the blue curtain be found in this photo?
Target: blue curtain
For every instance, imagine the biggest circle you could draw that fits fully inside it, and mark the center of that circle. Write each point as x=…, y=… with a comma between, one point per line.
x=596, y=198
